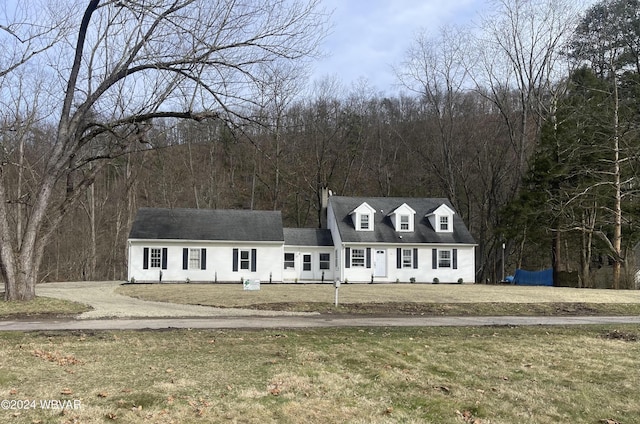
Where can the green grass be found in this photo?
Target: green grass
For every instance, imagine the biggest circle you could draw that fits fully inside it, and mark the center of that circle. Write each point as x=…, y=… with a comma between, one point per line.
x=373, y=375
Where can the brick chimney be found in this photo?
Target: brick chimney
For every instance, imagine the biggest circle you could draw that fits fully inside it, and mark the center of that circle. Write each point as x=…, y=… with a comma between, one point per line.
x=324, y=203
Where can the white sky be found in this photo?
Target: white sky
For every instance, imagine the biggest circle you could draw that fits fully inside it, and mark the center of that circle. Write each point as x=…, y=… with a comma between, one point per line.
x=370, y=36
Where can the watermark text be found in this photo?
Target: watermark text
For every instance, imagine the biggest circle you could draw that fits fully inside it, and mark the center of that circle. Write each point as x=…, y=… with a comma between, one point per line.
x=26, y=404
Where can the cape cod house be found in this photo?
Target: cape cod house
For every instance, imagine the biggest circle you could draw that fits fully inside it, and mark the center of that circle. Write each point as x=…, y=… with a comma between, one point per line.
x=205, y=245
x=365, y=240
x=400, y=240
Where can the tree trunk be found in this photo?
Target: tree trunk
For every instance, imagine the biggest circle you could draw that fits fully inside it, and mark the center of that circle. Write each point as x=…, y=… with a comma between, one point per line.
x=617, y=209
x=20, y=266
x=556, y=247
x=588, y=224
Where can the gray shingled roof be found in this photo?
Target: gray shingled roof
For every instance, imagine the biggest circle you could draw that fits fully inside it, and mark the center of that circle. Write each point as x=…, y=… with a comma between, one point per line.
x=207, y=224
x=384, y=231
x=307, y=237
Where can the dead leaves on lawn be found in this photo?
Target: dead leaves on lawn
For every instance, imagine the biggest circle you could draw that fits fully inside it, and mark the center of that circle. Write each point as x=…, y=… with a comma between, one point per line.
x=57, y=357
x=467, y=417
x=274, y=389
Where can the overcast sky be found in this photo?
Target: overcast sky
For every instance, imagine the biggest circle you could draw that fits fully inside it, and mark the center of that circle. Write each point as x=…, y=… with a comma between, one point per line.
x=370, y=36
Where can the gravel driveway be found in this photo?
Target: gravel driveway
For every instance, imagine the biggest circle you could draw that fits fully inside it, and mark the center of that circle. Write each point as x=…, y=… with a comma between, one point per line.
x=106, y=303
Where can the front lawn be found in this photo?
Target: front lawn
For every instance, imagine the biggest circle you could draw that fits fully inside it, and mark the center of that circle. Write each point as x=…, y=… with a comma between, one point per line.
x=373, y=375
x=398, y=299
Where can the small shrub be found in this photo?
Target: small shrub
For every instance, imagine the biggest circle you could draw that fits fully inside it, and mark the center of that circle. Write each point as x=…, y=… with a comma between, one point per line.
x=436, y=280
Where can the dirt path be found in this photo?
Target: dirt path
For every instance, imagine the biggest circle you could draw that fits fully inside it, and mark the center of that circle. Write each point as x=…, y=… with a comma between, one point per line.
x=106, y=303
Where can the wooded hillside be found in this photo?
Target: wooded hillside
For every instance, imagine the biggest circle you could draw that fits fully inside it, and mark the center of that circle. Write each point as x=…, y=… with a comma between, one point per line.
x=528, y=124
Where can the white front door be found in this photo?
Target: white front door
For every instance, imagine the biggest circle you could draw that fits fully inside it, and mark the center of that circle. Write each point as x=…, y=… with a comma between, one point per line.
x=380, y=263
x=307, y=267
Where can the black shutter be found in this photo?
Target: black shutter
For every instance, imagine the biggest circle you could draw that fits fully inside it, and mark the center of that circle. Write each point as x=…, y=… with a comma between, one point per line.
x=164, y=258
x=455, y=258
x=347, y=257
x=434, y=258
x=415, y=258
x=203, y=259
x=235, y=260
x=145, y=258
x=254, y=260
x=368, y=257
x=185, y=258
x=399, y=257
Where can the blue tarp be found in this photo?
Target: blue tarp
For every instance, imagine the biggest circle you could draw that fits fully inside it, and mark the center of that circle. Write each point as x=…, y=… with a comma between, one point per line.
x=533, y=278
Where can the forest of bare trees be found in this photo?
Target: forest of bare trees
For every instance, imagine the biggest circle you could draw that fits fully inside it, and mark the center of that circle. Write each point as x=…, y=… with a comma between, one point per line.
x=474, y=116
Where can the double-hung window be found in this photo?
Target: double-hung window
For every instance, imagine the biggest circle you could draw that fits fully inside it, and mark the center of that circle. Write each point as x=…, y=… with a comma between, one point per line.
x=444, y=223
x=155, y=257
x=357, y=258
x=289, y=260
x=444, y=259
x=194, y=258
x=407, y=258
x=245, y=259
x=325, y=261
x=404, y=222
x=364, y=221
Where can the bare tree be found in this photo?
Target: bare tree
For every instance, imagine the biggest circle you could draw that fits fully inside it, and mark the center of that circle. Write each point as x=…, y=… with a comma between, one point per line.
x=434, y=69
x=279, y=90
x=520, y=52
x=134, y=62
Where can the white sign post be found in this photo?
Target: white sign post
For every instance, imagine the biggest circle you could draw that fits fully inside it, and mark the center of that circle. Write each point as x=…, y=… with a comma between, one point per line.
x=337, y=286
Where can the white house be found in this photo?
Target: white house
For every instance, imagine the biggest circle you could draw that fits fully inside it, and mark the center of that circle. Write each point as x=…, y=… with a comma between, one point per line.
x=204, y=245
x=308, y=255
x=388, y=239
x=366, y=240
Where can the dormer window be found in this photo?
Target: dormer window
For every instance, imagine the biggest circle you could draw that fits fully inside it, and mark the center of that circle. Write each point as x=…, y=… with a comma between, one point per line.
x=441, y=219
x=403, y=218
x=363, y=217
